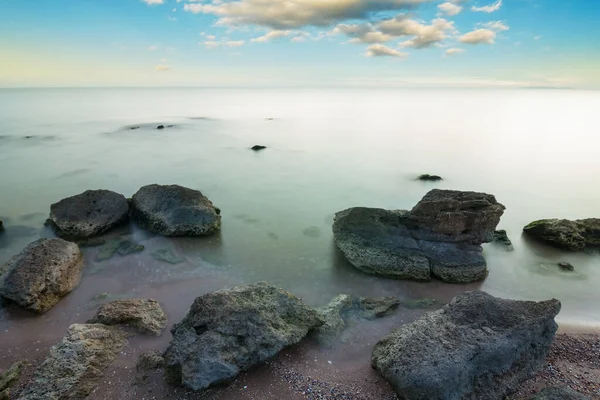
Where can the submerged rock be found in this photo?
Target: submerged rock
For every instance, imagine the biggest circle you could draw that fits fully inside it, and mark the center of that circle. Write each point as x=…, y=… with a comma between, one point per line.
x=160, y=127
x=121, y=247
x=9, y=378
x=44, y=272
x=74, y=365
x=167, y=256
x=229, y=331
x=258, y=147
x=439, y=237
x=94, y=242
x=426, y=302
x=477, y=347
x=431, y=178
x=559, y=393
x=144, y=315
x=88, y=214
x=371, y=308
x=501, y=237
x=569, y=235
x=174, y=210
x=566, y=266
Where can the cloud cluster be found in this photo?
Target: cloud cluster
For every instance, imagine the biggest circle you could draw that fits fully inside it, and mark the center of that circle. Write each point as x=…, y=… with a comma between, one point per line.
x=449, y=8
x=293, y=14
x=497, y=26
x=379, y=50
x=488, y=9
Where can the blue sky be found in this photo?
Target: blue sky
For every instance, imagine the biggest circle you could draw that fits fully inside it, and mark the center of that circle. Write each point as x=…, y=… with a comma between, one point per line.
x=470, y=43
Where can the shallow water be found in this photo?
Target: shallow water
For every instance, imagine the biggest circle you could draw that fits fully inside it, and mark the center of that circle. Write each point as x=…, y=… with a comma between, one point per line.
x=327, y=150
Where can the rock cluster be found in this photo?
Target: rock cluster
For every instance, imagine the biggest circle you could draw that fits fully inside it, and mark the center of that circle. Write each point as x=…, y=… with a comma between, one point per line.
x=441, y=236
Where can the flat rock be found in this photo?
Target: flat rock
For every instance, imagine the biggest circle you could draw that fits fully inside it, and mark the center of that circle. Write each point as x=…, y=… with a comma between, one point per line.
x=88, y=214
x=565, y=234
x=44, y=272
x=74, y=366
x=144, y=315
x=440, y=236
x=476, y=347
x=174, y=210
x=559, y=393
x=229, y=331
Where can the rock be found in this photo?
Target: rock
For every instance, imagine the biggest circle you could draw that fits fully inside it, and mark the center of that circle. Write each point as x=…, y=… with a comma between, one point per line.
x=88, y=214
x=167, y=256
x=150, y=360
x=134, y=127
x=160, y=127
x=44, y=272
x=94, y=242
x=312, y=232
x=371, y=308
x=476, y=347
x=146, y=315
x=569, y=235
x=174, y=210
x=9, y=378
x=566, y=266
x=229, y=331
x=440, y=237
x=426, y=302
x=431, y=178
x=121, y=247
x=501, y=237
x=74, y=365
x=258, y=147
x=559, y=393
x=1, y=225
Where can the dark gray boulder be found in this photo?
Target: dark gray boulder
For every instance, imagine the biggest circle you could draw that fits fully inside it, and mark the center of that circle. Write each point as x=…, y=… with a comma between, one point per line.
x=229, y=331
x=559, y=393
x=430, y=178
x=144, y=315
x=88, y=214
x=258, y=147
x=174, y=210
x=476, y=347
x=569, y=235
x=440, y=236
x=43, y=273
x=74, y=366
x=501, y=237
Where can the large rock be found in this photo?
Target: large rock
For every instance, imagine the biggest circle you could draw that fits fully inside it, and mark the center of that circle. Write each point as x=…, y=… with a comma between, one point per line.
x=174, y=210
x=74, y=365
x=229, y=331
x=145, y=315
x=477, y=347
x=559, y=393
x=565, y=234
x=441, y=236
x=44, y=272
x=88, y=214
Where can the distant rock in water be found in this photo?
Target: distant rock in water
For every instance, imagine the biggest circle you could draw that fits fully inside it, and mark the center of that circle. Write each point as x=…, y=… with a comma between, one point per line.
x=440, y=236
x=476, y=347
x=145, y=315
x=173, y=210
x=258, y=147
x=229, y=331
x=1, y=225
x=431, y=178
x=160, y=127
x=566, y=266
x=501, y=237
x=74, y=366
x=565, y=234
x=134, y=127
x=559, y=393
x=88, y=214
x=43, y=273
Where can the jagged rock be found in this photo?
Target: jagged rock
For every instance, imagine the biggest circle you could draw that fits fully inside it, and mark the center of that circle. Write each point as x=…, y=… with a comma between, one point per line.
x=44, y=272
x=174, y=210
x=145, y=315
x=501, y=237
x=559, y=393
x=258, y=147
x=150, y=360
x=229, y=331
x=88, y=214
x=569, y=235
x=431, y=178
x=74, y=365
x=9, y=378
x=440, y=236
x=476, y=347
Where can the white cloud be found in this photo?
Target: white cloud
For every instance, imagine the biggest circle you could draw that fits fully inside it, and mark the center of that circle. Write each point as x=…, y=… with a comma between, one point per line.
x=379, y=50
x=537, y=37
x=172, y=18
x=497, y=26
x=213, y=44
x=453, y=51
x=478, y=36
x=153, y=48
x=488, y=9
x=287, y=14
x=162, y=67
x=153, y=2
x=362, y=33
x=270, y=36
x=450, y=8
x=429, y=35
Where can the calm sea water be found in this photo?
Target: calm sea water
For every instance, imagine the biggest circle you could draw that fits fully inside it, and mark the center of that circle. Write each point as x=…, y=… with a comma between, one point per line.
x=536, y=151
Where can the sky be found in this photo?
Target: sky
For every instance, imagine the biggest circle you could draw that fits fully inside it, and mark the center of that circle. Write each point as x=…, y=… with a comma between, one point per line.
x=357, y=43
